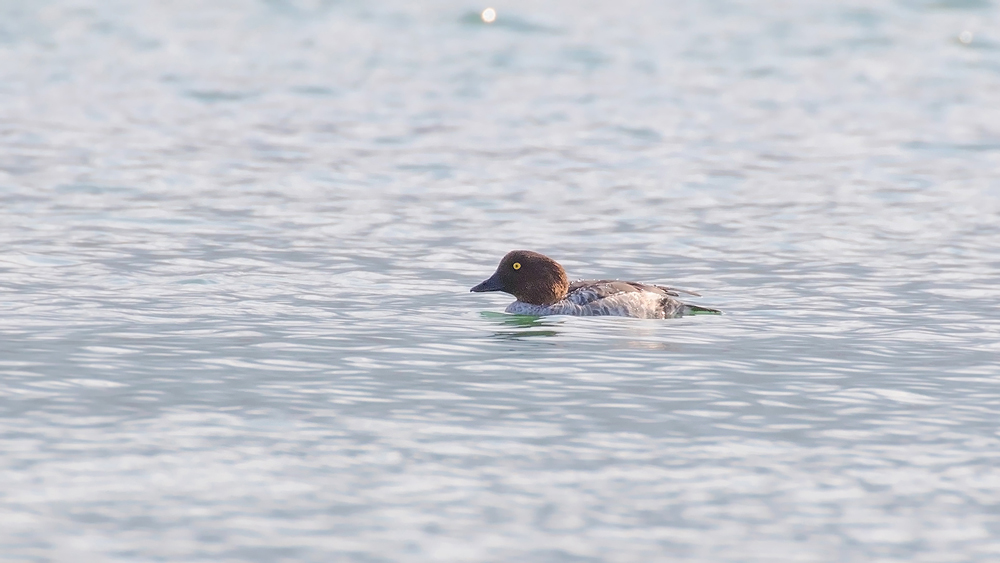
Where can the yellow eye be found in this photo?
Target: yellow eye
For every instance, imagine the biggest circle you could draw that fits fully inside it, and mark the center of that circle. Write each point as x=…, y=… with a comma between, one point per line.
x=517, y=265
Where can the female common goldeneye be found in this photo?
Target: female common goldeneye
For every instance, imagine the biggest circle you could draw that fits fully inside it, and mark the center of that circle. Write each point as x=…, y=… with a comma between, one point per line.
x=539, y=283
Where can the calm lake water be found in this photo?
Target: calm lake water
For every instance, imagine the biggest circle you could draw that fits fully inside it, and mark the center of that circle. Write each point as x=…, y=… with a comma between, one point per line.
x=237, y=238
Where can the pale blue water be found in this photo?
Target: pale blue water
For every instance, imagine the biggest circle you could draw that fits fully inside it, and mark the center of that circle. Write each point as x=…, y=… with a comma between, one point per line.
x=237, y=237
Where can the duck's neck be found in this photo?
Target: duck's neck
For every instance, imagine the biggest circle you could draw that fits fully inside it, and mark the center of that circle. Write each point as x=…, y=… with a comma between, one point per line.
x=548, y=290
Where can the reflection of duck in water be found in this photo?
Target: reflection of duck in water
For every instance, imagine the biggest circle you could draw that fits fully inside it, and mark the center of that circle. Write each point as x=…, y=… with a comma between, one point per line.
x=539, y=283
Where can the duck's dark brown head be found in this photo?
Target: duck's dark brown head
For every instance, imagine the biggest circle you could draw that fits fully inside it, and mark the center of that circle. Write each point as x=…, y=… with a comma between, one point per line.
x=530, y=277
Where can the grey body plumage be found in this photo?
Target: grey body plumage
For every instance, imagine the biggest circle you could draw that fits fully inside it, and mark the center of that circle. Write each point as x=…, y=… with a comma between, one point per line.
x=589, y=298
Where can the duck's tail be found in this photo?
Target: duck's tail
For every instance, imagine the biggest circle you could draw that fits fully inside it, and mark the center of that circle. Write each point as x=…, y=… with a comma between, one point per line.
x=699, y=310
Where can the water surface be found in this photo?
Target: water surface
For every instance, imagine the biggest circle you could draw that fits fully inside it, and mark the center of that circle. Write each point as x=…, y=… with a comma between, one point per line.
x=236, y=242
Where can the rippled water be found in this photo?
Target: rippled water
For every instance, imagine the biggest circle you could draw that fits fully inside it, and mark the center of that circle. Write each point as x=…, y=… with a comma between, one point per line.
x=237, y=237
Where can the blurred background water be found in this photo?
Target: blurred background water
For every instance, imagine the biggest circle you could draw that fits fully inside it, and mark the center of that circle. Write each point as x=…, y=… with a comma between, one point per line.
x=237, y=237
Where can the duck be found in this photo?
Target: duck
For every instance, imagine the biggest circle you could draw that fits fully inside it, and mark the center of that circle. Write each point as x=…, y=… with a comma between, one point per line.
x=540, y=287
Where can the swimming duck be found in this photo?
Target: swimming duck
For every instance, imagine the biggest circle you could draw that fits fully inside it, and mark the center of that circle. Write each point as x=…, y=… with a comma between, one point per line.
x=540, y=285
